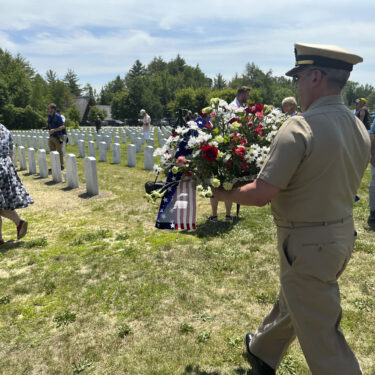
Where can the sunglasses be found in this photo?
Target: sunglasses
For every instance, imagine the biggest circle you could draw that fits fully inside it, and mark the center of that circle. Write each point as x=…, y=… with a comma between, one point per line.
x=296, y=77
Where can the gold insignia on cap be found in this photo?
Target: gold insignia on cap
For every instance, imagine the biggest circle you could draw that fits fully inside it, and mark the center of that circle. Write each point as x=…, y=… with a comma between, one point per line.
x=305, y=62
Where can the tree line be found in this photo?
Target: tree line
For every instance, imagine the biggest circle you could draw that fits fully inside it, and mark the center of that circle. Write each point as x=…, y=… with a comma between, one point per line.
x=161, y=87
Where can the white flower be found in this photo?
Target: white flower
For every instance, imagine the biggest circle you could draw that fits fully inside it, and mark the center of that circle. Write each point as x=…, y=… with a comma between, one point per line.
x=260, y=161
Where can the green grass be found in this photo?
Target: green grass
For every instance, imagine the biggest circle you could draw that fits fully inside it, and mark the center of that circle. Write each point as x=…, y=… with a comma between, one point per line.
x=94, y=288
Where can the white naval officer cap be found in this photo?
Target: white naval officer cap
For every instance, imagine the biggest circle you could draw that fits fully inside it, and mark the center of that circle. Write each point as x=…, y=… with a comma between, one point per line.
x=323, y=55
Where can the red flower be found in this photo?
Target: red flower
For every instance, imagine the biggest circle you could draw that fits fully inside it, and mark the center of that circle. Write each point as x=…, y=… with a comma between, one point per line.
x=208, y=125
x=229, y=164
x=259, y=108
x=212, y=114
x=234, y=119
x=239, y=151
x=209, y=153
x=181, y=160
x=259, y=130
x=243, y=141
x=260, y=115
x=174, y=134
x=188, y=173
x=244, y=166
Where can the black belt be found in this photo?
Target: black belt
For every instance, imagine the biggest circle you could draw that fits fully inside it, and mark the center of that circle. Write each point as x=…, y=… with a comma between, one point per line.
x=301, y=224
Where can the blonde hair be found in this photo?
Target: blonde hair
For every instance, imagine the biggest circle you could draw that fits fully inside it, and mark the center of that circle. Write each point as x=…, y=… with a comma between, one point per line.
x=291, y=101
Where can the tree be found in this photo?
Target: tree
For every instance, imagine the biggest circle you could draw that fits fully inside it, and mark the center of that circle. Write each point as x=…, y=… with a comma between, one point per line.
x=94, y=112
x=39, y=93
x=157, y=65
x=51, y=76
x=110, y=89
x=74, y=115
x=219, y=82
x=61, y=95
x=136, y=71
x=71, y=81
x=88, y=90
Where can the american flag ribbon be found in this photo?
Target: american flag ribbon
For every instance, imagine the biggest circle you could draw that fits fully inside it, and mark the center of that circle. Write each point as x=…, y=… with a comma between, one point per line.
x=178, y=204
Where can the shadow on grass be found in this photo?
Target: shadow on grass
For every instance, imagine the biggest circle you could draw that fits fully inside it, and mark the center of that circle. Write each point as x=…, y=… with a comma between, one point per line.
x=213, y=228
x=86, y=195
x=10, y=245
x=196, y=370
x=371, y=225
x=51, y=183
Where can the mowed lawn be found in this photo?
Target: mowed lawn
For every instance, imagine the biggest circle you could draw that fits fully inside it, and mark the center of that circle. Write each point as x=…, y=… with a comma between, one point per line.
x=94, y=288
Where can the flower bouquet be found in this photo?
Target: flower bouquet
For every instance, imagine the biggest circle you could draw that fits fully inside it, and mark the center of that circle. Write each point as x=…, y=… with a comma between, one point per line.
x=226, y=145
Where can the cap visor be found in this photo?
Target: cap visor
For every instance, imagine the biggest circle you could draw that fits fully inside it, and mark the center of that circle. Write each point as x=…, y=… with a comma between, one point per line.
x=295, y=70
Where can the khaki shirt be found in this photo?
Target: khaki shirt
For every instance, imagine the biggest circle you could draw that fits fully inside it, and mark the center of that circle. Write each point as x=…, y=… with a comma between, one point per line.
x=317, y=160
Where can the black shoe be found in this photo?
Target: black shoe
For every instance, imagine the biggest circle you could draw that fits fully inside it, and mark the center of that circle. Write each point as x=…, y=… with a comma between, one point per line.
x=256, y=363
x=62, y=168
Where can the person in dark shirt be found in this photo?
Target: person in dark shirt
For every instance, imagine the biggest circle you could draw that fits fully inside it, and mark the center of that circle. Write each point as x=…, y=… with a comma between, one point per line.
x=55, y=127
x=362, y=112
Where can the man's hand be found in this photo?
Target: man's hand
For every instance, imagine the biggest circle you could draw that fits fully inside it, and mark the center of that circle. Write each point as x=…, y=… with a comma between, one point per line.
x=257, y=193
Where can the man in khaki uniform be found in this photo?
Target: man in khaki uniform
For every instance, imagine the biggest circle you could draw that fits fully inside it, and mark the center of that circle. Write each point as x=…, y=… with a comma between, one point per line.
x=311, y=177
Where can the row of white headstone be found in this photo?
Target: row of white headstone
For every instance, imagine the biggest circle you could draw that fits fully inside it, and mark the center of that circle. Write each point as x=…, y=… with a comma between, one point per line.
x=71, y=174
x=103, y=143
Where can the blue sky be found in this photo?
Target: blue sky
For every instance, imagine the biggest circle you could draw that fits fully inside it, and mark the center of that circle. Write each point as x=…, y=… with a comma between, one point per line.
x=102, y=39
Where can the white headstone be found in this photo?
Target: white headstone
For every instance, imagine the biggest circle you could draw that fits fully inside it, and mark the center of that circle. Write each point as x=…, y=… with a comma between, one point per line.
x=132, y=156
x=31, y=160
x=116, y=153
x=91, y=149
x=71, y=171
x=91, y=176
x=14, y=160
x=108, y=141
x=42, y=161
x=55, y=166
x=149, y=157
x=81, y=148
x=21, y=151
x=102, y=151
x=139, y=143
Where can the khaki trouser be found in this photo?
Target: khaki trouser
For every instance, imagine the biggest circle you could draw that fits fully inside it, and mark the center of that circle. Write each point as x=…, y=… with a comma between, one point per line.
x=311, y=260
x=55, y=145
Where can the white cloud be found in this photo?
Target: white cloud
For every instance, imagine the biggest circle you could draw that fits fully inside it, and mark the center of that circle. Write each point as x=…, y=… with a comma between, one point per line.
x=98, y=39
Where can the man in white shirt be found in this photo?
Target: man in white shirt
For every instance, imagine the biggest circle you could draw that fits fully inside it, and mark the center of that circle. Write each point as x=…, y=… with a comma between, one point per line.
x=146, y=121
x=242, y=97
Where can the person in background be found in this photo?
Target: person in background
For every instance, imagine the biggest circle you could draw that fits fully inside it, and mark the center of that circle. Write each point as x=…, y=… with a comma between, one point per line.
x=240, y=100
x=362, y=112
x=55, y=126
x=98, y=124
x=371, y=219
x=289, y=106
x=62, y=116
x=13, y=194
x=146, y=121
x=311, y=176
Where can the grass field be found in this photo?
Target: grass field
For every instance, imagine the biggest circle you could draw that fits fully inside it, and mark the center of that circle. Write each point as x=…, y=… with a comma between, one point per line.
x=94, y=288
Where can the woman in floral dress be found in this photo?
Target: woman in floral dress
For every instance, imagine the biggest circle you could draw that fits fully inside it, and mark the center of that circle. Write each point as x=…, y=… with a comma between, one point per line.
x=13, y=194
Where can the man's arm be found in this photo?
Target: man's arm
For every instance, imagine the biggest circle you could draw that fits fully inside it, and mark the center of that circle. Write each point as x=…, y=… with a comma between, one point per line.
x=362, y=114
x=257, y=193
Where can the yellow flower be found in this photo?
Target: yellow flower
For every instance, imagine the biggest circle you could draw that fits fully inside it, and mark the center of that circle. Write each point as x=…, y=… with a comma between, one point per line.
x=215, y=101
x=227, y=185
x=219, y=139
x=175, y=170
x=236, y=125
x=215, y=182
x=207, y=110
